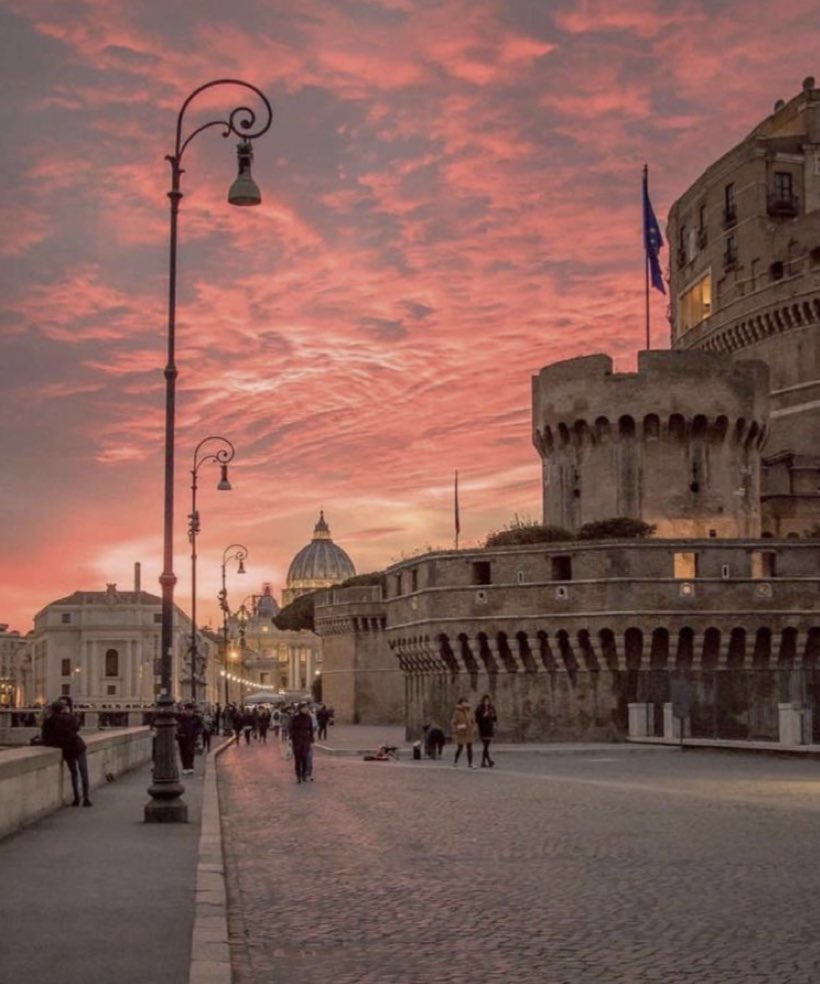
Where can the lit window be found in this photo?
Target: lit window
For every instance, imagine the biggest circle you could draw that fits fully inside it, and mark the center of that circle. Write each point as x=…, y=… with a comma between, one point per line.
x=685, y=565
x=695, y=304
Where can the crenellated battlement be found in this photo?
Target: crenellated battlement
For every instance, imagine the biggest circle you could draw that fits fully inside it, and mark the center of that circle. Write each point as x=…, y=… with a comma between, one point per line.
x=676, y=443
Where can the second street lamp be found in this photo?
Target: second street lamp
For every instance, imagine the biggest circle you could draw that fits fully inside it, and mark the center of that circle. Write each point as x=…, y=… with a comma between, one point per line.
x=166, y=804
x=238, y=553
x=220, y=451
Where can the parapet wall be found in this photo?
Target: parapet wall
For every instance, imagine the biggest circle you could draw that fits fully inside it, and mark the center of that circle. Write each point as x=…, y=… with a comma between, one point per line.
x=34, y=782
x=676, y=444
x=565, y=636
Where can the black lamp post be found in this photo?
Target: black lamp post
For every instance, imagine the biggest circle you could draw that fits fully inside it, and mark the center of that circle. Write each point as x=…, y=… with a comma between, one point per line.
x=222, y=456
x=166, y=804
x=239, y=554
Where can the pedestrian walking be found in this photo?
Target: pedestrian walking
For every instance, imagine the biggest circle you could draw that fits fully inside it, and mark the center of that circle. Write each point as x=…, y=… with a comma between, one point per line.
x=209, y=726
x=322, y=719
x=463, y=725
x=301, y=736
x=189, y=728
x=61, y=729
x=285, y=718
x=486, y=718
x=247, y=723
x=236, y=723
x=262, y=725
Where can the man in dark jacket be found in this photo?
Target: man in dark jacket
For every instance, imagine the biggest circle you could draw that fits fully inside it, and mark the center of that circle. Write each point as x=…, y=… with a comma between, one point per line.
x=61, y=729
x=189, y=727
x=301, y=735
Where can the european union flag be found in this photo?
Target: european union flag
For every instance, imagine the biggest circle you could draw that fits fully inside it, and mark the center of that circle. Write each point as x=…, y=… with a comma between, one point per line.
x=652, y=238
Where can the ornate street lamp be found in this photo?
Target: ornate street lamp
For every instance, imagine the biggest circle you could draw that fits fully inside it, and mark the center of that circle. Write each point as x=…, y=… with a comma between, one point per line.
x=222, y=456
x=166, y=805
x=239, y=554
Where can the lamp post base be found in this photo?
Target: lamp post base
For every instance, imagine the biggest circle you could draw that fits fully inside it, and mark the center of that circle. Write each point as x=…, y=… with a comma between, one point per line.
x=166, y=804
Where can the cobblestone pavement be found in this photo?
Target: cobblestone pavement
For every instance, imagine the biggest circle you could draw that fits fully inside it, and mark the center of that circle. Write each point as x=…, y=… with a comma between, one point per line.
x=622, y=867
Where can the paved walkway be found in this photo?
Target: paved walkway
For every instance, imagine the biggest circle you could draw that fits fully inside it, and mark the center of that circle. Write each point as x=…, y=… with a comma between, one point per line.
x=612, y=865
x=97, y=895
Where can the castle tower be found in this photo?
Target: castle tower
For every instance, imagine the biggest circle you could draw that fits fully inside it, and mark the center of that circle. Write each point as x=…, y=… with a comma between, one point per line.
x=676, y=444
x=745, y=279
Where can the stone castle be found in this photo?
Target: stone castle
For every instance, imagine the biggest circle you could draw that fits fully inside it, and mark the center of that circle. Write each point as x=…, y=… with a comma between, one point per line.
x=713, y=442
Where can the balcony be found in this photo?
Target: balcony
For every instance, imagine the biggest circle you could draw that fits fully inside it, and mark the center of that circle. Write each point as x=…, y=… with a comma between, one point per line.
x=782, y=204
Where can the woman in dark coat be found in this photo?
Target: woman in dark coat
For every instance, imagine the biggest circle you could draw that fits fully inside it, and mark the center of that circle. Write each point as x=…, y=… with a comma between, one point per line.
x=485, y=718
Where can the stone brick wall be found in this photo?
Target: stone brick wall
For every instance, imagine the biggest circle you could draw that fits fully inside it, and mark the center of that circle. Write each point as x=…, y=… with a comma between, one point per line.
x=361, y=679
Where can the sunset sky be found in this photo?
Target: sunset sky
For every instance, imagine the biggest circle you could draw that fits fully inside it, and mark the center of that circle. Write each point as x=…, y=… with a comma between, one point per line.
x=451, y=201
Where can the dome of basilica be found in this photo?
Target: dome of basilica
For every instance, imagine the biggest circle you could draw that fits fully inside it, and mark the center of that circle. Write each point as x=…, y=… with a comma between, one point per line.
x=318, y=565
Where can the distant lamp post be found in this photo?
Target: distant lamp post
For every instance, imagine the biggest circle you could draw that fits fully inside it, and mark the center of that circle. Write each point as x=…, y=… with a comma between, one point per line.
x=222, y=452
x=166, y=804
x=238, y=553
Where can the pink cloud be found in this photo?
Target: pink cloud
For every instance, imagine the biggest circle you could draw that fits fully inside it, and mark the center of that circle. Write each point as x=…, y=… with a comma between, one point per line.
x=451, y=199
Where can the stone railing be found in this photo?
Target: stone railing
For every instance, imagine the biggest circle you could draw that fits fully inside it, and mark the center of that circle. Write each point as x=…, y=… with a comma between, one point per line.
x=19, y=725
x=34, y=782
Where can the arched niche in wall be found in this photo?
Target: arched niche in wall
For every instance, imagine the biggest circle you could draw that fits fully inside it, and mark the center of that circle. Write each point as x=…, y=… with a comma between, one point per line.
x=651, y=427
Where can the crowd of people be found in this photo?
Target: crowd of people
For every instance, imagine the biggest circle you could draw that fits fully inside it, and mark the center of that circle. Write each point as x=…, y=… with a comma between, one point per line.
x=295, y=727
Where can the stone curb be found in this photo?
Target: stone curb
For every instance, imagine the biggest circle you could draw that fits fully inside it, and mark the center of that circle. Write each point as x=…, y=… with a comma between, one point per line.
x=210, y=951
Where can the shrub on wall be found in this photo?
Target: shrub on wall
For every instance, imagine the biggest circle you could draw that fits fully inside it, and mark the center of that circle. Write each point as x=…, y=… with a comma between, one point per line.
x=365, y=580
x=297, y=615
x=527, y=531
x=619, y=528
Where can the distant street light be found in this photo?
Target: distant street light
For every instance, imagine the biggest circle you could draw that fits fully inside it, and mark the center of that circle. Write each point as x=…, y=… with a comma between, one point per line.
x=239, y=554
x=222, y=456
x=166, y=804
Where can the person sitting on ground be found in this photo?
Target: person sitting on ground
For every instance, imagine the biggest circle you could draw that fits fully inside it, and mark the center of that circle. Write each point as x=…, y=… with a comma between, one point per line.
x=433, y=741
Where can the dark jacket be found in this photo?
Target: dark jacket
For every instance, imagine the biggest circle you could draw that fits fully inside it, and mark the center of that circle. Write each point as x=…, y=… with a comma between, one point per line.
x=301, y=730
x=189, y=725
x=63, y=732
x=485, y=718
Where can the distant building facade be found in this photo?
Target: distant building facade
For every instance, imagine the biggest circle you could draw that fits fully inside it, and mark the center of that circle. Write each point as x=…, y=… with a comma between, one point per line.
x=274, y=659
x=102, y=649
x=745, y=279
x=12, y=645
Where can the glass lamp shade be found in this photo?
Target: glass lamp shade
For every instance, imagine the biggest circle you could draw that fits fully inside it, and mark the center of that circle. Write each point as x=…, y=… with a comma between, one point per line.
x=244, y=191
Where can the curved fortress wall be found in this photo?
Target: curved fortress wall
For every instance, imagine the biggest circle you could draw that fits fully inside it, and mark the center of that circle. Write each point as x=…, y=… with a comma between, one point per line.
x=565, y=636
x=676, y=444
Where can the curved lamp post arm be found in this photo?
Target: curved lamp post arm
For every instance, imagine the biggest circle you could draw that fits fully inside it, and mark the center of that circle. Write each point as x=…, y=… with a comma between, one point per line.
x=241, y=120
x=223, y=456
x=240, y=554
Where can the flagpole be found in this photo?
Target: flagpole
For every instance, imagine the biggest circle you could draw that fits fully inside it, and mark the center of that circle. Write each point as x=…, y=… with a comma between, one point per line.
x=455, y=512
x=646, y=258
